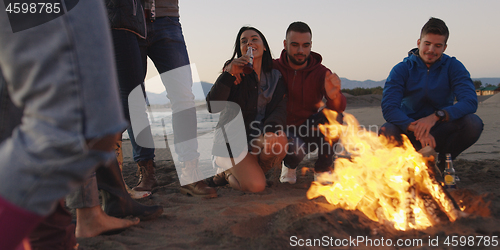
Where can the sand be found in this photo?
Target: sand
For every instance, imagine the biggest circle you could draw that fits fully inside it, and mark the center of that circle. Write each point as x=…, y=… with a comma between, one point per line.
x=282, y=215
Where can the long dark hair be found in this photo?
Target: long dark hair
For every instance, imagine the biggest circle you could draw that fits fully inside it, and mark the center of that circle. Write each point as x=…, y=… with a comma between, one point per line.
x=267, y=58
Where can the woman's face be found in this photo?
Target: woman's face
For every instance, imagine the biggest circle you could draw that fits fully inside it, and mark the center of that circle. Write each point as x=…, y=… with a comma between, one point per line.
x=250, y=38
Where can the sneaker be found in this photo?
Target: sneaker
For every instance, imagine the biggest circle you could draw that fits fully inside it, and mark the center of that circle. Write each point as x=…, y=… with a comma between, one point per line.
x=287, y=174
x=324, y=178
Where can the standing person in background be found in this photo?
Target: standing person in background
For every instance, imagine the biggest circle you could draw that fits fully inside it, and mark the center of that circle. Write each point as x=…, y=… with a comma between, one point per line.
x=166, y=47
x=419, y=95
x=309, y=82
x=62, y=76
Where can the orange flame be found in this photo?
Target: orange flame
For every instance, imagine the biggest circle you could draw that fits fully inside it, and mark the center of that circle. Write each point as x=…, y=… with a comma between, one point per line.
x=380, y=179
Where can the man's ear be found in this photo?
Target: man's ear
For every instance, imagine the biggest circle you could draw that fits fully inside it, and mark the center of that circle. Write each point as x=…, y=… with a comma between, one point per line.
x=418, y=43
x=284, y=43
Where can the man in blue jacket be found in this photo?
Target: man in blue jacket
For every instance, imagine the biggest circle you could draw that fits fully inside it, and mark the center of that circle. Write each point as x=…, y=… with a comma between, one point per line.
x=419, y=95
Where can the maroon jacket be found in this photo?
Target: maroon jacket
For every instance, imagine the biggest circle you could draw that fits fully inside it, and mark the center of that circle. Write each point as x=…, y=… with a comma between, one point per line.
x=306, y=88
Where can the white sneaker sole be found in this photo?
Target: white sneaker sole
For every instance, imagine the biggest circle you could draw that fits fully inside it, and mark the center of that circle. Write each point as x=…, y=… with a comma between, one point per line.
x=288, y=175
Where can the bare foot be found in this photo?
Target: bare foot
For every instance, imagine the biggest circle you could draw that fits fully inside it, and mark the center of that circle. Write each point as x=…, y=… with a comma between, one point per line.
x=93, y=221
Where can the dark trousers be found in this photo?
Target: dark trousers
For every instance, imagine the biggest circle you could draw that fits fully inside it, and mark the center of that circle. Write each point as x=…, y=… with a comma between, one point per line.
x=165, y=46
x=306, y=138
x=55, y=232
x=131, y=72
x=451, y=137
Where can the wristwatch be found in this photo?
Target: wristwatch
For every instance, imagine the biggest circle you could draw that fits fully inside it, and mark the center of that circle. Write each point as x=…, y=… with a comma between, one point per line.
x=441, y=114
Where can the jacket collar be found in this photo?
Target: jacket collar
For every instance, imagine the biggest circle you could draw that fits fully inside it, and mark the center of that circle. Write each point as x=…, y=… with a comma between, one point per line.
x=414, y=56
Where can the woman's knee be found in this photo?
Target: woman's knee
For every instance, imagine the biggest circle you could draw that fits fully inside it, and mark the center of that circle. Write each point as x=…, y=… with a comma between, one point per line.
x=255, y=186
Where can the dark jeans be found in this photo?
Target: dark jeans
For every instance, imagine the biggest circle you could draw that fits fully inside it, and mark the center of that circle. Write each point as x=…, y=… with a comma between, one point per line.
x=131, y=72
x=306, y=138
x=451, y=137
x=166, y=47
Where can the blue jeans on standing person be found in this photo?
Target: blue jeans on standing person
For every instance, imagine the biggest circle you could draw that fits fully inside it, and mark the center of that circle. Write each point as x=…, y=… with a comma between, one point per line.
x=451, y=137
x=64, y=80
x=166, y=47
x=130, y=75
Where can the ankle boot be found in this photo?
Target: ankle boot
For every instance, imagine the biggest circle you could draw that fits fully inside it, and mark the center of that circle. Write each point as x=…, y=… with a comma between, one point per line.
x=119, y=157
x=146, y=173
x=116, y=201
x=16, y=224
x=199, y=188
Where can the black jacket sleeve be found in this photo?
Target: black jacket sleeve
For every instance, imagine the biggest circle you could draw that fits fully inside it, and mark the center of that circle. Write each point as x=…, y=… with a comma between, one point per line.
x=220, y=91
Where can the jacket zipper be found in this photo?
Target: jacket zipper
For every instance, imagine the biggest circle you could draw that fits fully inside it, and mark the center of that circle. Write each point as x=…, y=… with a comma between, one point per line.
x=427, y=85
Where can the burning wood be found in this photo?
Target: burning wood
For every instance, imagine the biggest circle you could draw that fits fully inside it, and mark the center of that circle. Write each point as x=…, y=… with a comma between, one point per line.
x=390, y=184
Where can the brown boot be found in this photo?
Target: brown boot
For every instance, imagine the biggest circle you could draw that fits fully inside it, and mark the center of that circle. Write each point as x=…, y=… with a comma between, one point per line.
x=199, y=188
x=146, y=173
x=119, y=157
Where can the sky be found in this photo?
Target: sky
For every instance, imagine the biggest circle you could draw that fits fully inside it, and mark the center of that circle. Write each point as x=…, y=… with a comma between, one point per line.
x=358, y=39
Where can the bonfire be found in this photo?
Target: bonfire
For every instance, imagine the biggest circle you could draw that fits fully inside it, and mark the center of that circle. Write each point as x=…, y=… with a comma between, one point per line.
x=391, y=184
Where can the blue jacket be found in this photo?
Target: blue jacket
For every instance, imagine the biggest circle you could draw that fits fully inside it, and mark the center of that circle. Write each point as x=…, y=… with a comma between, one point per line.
x=412, y=91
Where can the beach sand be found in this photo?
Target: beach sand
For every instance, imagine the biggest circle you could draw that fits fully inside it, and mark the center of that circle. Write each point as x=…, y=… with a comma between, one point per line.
x=271, y=219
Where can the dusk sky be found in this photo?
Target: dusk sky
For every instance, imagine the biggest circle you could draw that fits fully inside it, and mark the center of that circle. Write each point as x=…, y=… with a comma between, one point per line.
x=358, y=40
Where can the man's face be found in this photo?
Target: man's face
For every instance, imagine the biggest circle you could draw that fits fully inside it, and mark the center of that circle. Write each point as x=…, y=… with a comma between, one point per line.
x=431, y=47
x=298, y=47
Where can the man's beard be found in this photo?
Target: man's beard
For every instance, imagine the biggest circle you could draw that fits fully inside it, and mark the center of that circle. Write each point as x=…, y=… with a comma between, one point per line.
x=295, y=62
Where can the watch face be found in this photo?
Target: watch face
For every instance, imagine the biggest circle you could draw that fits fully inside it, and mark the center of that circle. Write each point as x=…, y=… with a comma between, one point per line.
x=440, y=113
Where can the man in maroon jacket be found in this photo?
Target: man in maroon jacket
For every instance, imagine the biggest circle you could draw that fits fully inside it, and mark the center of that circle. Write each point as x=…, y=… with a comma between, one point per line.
x=309, y=83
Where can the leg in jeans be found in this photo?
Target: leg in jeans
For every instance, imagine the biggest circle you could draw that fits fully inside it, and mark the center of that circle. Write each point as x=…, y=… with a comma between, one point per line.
x=59, y=72
x=130, y=75
x=166, y=47
x=451, y=137
x=456, y=136
x=63, y=98
x=307, y=138
x=56, y=230
x=394, y=133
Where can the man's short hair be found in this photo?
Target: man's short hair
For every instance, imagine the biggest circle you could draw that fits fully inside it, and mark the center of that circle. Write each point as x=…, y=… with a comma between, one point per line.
x=435, y=26
x=298, y=26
